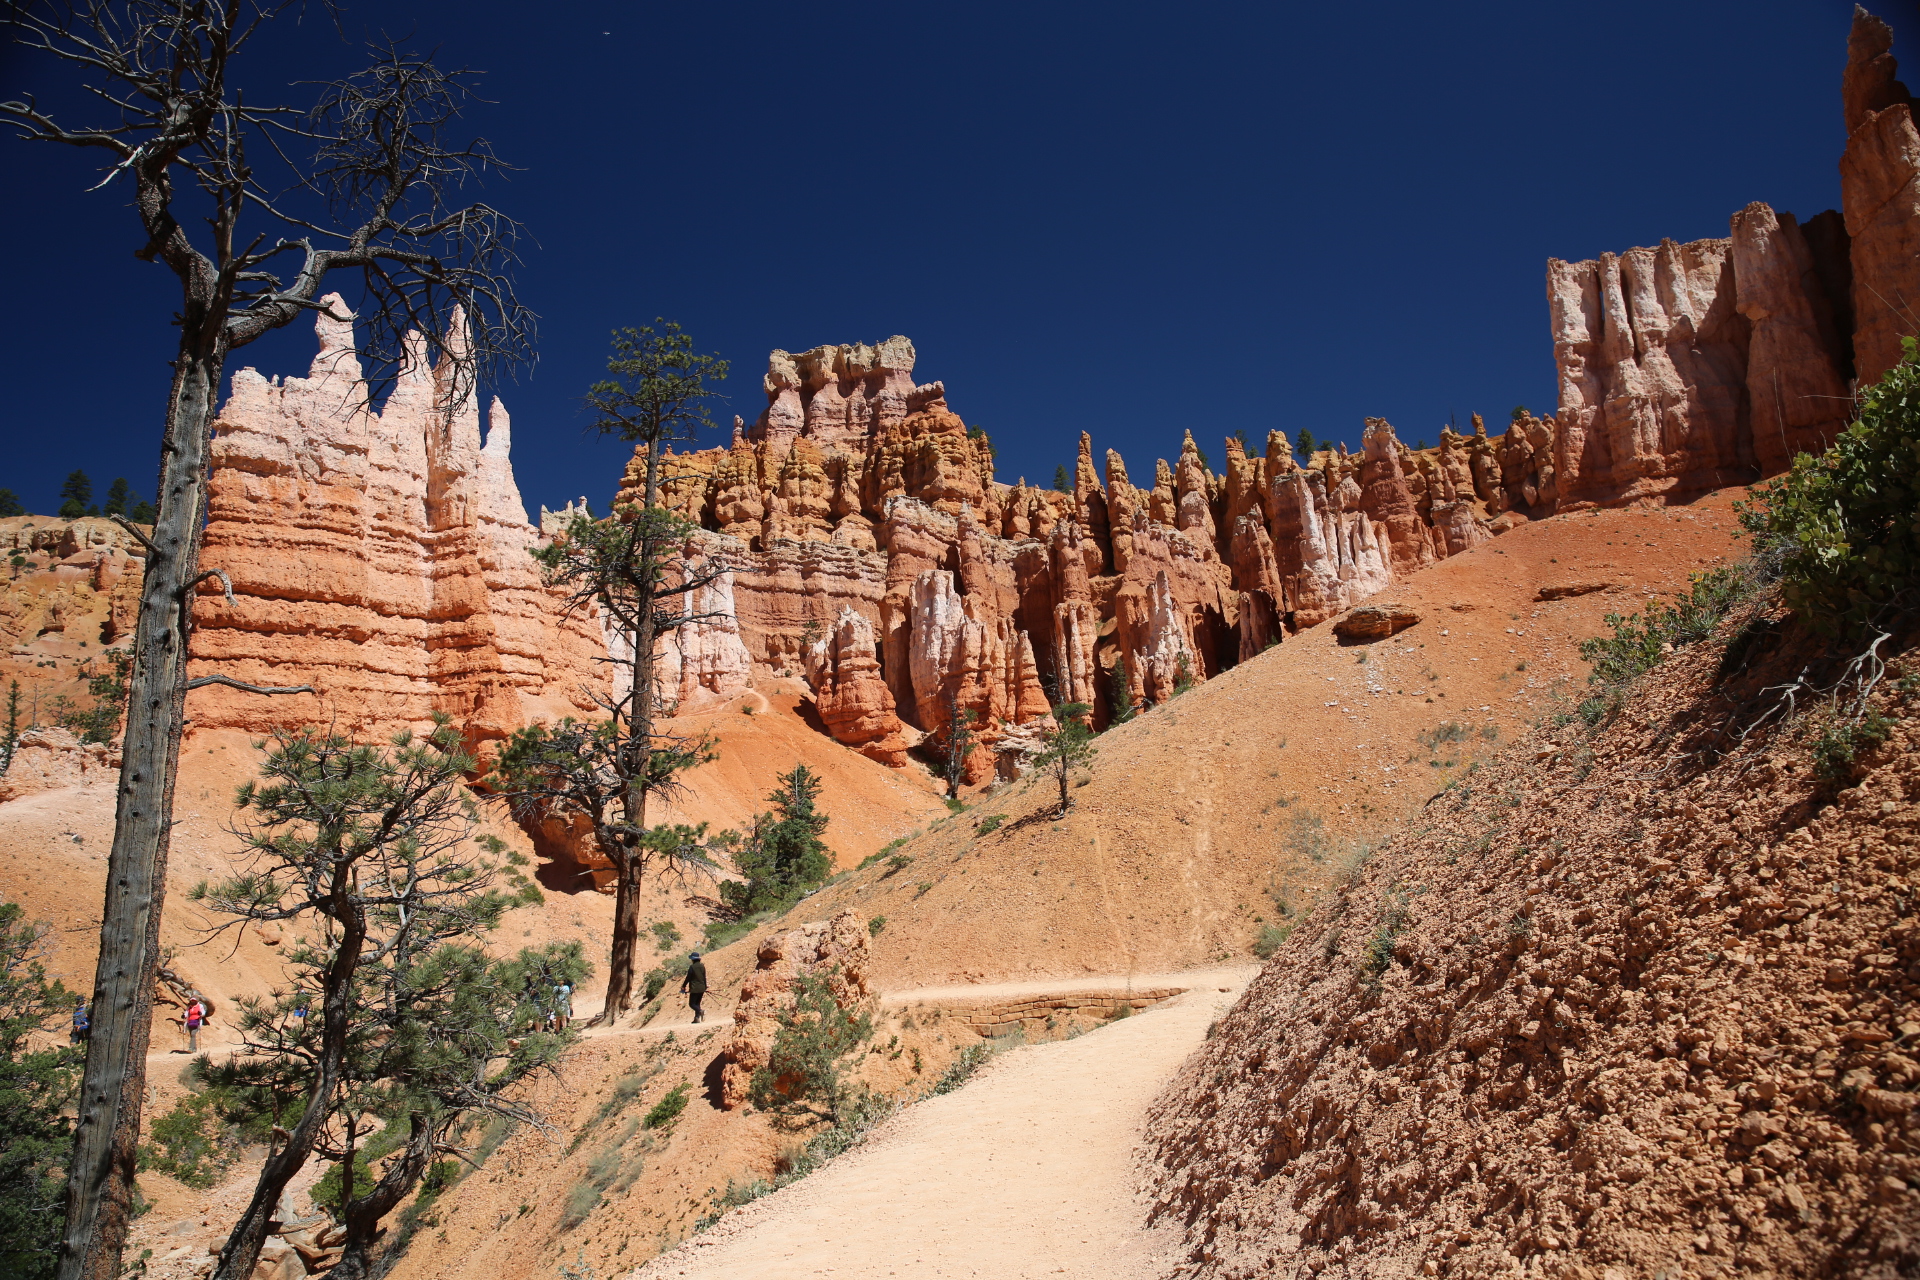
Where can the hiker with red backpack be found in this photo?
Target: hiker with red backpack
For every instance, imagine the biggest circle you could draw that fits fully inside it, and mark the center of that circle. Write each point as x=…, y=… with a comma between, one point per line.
x=193, y=1019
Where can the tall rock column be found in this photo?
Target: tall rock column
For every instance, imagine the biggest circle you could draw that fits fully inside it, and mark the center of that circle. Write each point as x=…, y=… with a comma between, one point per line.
x=843, y=667
x=1797, y=398
x=1386, y=498
x=1880, y=196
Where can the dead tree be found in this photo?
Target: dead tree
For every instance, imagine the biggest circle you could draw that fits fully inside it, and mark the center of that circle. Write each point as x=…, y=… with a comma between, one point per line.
x=253, y=206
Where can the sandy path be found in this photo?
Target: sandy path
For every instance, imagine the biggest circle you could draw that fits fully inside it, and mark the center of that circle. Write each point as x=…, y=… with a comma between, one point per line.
x=1026, y=1171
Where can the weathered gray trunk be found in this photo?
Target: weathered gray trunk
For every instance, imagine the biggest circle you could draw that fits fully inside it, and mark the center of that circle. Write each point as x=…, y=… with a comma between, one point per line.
x=100, y=1176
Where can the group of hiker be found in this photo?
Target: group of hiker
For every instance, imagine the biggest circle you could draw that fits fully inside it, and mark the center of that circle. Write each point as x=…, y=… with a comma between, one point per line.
x=552, y=1014
x=195, y=1015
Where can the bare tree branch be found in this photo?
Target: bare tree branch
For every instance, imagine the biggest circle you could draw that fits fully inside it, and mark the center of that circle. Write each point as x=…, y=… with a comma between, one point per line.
x=201, y=682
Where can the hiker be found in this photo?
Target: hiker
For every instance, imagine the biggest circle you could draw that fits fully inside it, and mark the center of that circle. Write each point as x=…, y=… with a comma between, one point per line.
x=82, y=1024
x=695, y=985
x=193, y=1019
x=562, y=1006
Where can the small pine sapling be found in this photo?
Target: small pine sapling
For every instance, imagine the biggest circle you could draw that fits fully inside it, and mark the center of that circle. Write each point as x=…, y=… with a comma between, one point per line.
x=1067, y=746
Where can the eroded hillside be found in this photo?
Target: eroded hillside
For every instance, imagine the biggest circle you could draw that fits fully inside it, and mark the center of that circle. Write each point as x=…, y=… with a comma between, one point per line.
x=1640, y=1001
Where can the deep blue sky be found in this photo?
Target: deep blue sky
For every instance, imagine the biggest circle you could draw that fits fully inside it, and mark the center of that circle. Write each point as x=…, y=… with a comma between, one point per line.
x=1119, y=218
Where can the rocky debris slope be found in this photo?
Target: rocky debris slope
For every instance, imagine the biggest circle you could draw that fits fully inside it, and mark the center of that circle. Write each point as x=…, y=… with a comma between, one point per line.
x=1645, y=1002
x=1689, y=367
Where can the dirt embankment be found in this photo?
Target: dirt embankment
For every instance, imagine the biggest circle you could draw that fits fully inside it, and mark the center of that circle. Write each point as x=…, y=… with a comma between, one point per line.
x=1219, y=812
x=1618, y=1005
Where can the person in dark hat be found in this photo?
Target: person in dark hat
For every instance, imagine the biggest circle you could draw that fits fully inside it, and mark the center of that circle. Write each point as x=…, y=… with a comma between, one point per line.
x=695, y=985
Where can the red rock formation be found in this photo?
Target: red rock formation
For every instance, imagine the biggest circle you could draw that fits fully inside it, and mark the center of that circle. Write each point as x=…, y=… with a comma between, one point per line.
x=1387, y=500
x=853, y=701
x=1796, y=396
x=382, y=558
x=837, y=949
x=1694, y=366
x=1880, y=196
x=1652, y=356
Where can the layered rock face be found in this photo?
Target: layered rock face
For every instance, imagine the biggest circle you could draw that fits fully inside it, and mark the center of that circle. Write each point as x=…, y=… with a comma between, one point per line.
x=381, y=557
x=1689, y=367
x=875, y=553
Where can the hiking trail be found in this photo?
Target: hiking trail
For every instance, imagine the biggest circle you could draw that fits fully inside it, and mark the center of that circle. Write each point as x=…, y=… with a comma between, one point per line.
x=1026, y=1170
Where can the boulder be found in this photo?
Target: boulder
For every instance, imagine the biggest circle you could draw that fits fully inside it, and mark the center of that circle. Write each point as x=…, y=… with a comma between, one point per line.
x=839, y=947
x=1375, y=622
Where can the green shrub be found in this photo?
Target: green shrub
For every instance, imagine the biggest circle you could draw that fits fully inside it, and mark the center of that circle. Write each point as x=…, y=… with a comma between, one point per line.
x=961, y=1069
x=668, y=1109
x=1846, y=525
x=202, y=1135
x=1639, y=642
x=808, y=1064
x=581, y=1201
x=1839, y=742
x=1445, y=731
x=990, y=824
x=875, y=925
x=1378, y=953
x=1270, y=939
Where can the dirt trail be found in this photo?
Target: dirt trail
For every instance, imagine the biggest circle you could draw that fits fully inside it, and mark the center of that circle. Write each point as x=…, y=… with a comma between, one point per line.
x=975, y=993
x=1027, y=1171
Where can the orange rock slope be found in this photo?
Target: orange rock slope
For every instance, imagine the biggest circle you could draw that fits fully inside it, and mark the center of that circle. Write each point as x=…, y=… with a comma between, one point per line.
x=1630, y=1002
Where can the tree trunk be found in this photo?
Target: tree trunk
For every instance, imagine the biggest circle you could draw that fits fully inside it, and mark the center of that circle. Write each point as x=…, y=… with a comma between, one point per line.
x=100, y=1176
x=363, y=1215
x=242, y=1250
x=626, y=937
x=633, y=798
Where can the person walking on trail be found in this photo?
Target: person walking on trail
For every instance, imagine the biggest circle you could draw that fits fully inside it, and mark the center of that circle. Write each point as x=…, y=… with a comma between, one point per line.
x=695, y=985
x=562, y=1006
x=194, y=1018
x=82, y=1023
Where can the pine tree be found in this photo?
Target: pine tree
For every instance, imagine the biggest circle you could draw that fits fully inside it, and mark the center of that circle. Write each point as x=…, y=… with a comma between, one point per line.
x=118, y=495
x=37, y=1088
x=635, y=568
x=11, y=741
x=1061, y=480
x=956, y=743
x=76, y=497
x=1069, y=746
x=142, y=512
x=396, y=1015
x=1121, y=692
x=1303, y=445
x=10, y=504
x=783, y=855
